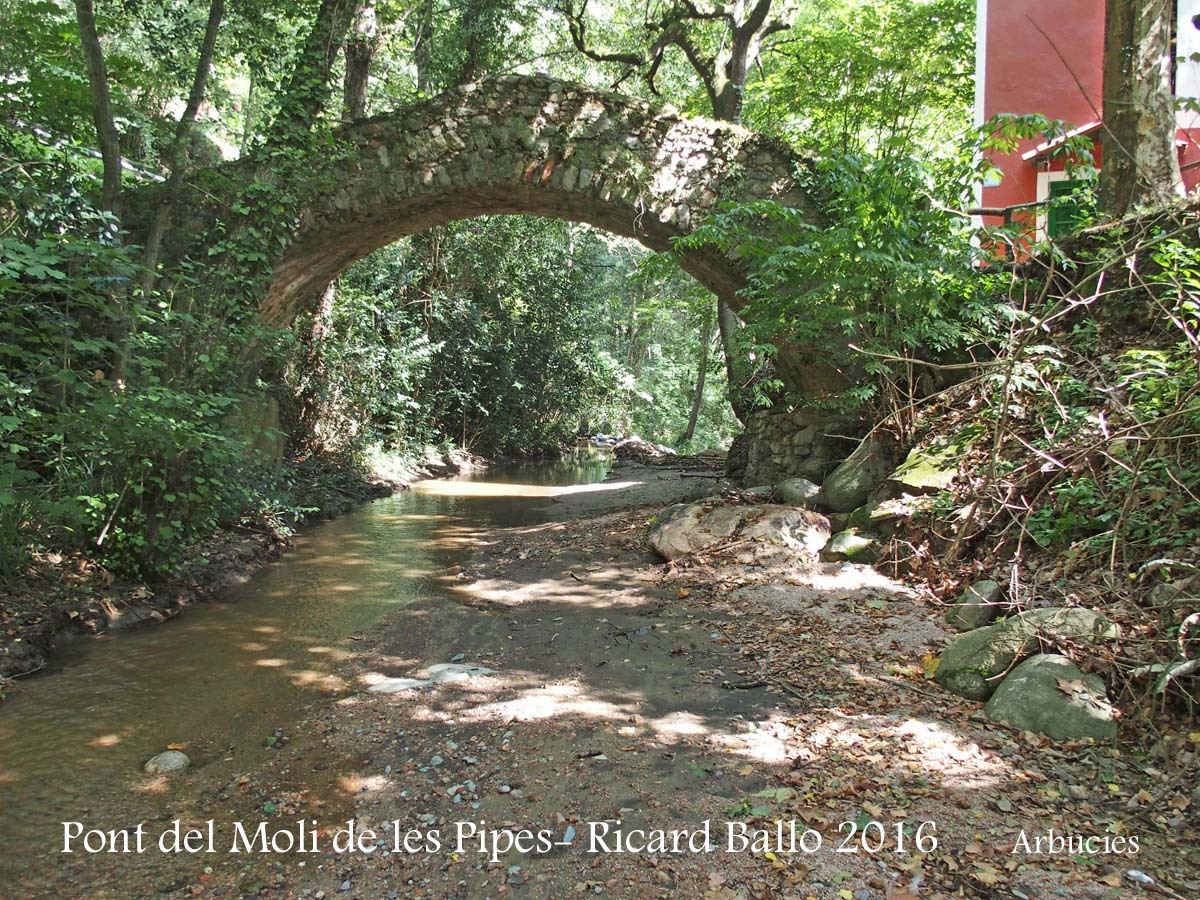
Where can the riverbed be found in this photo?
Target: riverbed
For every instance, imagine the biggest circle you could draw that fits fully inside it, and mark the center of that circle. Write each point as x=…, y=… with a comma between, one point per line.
x=226, y=682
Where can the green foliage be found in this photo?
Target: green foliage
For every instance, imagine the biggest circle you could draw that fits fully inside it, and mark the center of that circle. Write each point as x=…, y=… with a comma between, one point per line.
x=133, y=472
x=886, y=279
x=505, y=335
x=865, y=76
x=143, y=474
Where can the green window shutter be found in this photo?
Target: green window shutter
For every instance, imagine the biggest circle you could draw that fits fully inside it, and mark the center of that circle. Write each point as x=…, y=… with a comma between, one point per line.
x=1065, y=211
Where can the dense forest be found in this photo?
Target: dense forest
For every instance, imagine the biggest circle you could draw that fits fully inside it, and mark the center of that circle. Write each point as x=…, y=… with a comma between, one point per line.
x=125, y=369
x=885, y=449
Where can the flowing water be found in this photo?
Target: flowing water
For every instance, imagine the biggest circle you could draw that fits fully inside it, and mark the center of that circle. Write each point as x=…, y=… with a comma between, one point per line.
x=221, y=679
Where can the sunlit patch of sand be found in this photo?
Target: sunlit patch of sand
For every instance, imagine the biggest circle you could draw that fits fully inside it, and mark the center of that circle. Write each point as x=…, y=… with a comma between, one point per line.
x=765, y=741
x=496, y=489
x=322, y=680
x=355, y=783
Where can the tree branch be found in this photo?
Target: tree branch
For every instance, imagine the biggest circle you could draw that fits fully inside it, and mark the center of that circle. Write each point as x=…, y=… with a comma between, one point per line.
x=693, y=12
x=577, y=25
x=757, y=17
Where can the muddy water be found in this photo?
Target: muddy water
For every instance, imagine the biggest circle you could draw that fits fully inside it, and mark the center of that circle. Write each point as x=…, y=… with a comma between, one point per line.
x=224, y=678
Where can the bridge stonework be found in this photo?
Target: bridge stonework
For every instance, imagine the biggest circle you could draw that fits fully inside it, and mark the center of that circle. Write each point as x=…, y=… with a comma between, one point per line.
x=529, y=145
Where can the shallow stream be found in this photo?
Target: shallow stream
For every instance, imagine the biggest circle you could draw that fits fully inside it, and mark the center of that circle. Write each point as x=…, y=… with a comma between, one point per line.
x=224, y=678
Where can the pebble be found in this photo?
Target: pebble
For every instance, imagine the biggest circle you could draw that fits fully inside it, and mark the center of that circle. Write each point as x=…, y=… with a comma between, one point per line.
x=436, y=760
x=345, y=886
x=504, y=789
x=458, y=657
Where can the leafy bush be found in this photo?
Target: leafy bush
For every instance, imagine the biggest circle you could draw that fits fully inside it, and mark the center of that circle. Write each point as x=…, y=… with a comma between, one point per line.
x=132, y=469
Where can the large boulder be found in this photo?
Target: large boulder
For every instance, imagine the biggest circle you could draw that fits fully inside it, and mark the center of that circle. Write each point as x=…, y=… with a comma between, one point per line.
x=1048, y=694
x=797, y=492
x=1059, y=625
x=976, y=607
x=850, y=546
x=935, y=466
x=688, y=527
x=971, y=665
x=849, y=485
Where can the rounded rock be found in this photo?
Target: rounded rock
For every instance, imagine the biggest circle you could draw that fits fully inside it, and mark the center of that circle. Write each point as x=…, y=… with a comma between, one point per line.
x=167, y=763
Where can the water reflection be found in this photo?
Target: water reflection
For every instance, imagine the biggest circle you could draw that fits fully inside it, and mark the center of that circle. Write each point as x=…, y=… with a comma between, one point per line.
x=221, y=678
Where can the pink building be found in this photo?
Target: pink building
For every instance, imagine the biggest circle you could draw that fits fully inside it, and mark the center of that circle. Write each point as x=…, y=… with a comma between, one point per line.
x=1046, y=56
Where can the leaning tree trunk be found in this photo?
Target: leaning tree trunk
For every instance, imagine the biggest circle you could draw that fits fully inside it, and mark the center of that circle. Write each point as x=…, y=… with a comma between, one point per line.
x=183, y=134
x=422, y=52
x=109, y=141
x=726, y=82
x=1140, y=161
x=701, y=375
x=308, y=86
x=106, y=130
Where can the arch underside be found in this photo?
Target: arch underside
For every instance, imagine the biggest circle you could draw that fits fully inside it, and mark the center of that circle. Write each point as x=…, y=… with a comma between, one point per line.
x=315, y=261
x=533, y=146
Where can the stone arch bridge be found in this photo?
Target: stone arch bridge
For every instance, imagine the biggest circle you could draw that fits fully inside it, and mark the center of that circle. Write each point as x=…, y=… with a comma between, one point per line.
x=529, y=145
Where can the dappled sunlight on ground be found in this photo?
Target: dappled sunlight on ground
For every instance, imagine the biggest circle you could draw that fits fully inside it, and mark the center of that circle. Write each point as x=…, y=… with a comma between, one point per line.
x=764, y=742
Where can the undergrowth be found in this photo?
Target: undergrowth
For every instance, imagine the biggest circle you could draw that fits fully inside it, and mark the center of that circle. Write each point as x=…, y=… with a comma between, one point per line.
x=1084, y=487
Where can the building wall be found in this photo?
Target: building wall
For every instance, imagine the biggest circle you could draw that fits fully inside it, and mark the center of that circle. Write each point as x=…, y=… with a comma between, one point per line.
x=1046, y=56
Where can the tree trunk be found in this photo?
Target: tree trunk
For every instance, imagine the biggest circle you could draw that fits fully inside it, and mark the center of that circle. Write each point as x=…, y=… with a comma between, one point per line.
x=248, y=113
x=727, y=83
x=106, y=130
x=738, y=366
x=423, y=47
x=360, y=52
x=312, y=372
x=183, y=134
x=701, y=376
x=307, y=91
x=1140, y=162
x=109, y=141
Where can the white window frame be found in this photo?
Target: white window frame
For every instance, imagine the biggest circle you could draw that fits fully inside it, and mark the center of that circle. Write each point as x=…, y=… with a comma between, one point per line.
x=1187, y=72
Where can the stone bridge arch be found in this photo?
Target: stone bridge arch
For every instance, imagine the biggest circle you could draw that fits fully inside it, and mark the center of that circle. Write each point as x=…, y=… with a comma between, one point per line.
x=529, y=145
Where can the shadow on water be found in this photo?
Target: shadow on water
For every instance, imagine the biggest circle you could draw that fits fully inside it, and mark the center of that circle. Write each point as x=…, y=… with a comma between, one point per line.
x=220, y=679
